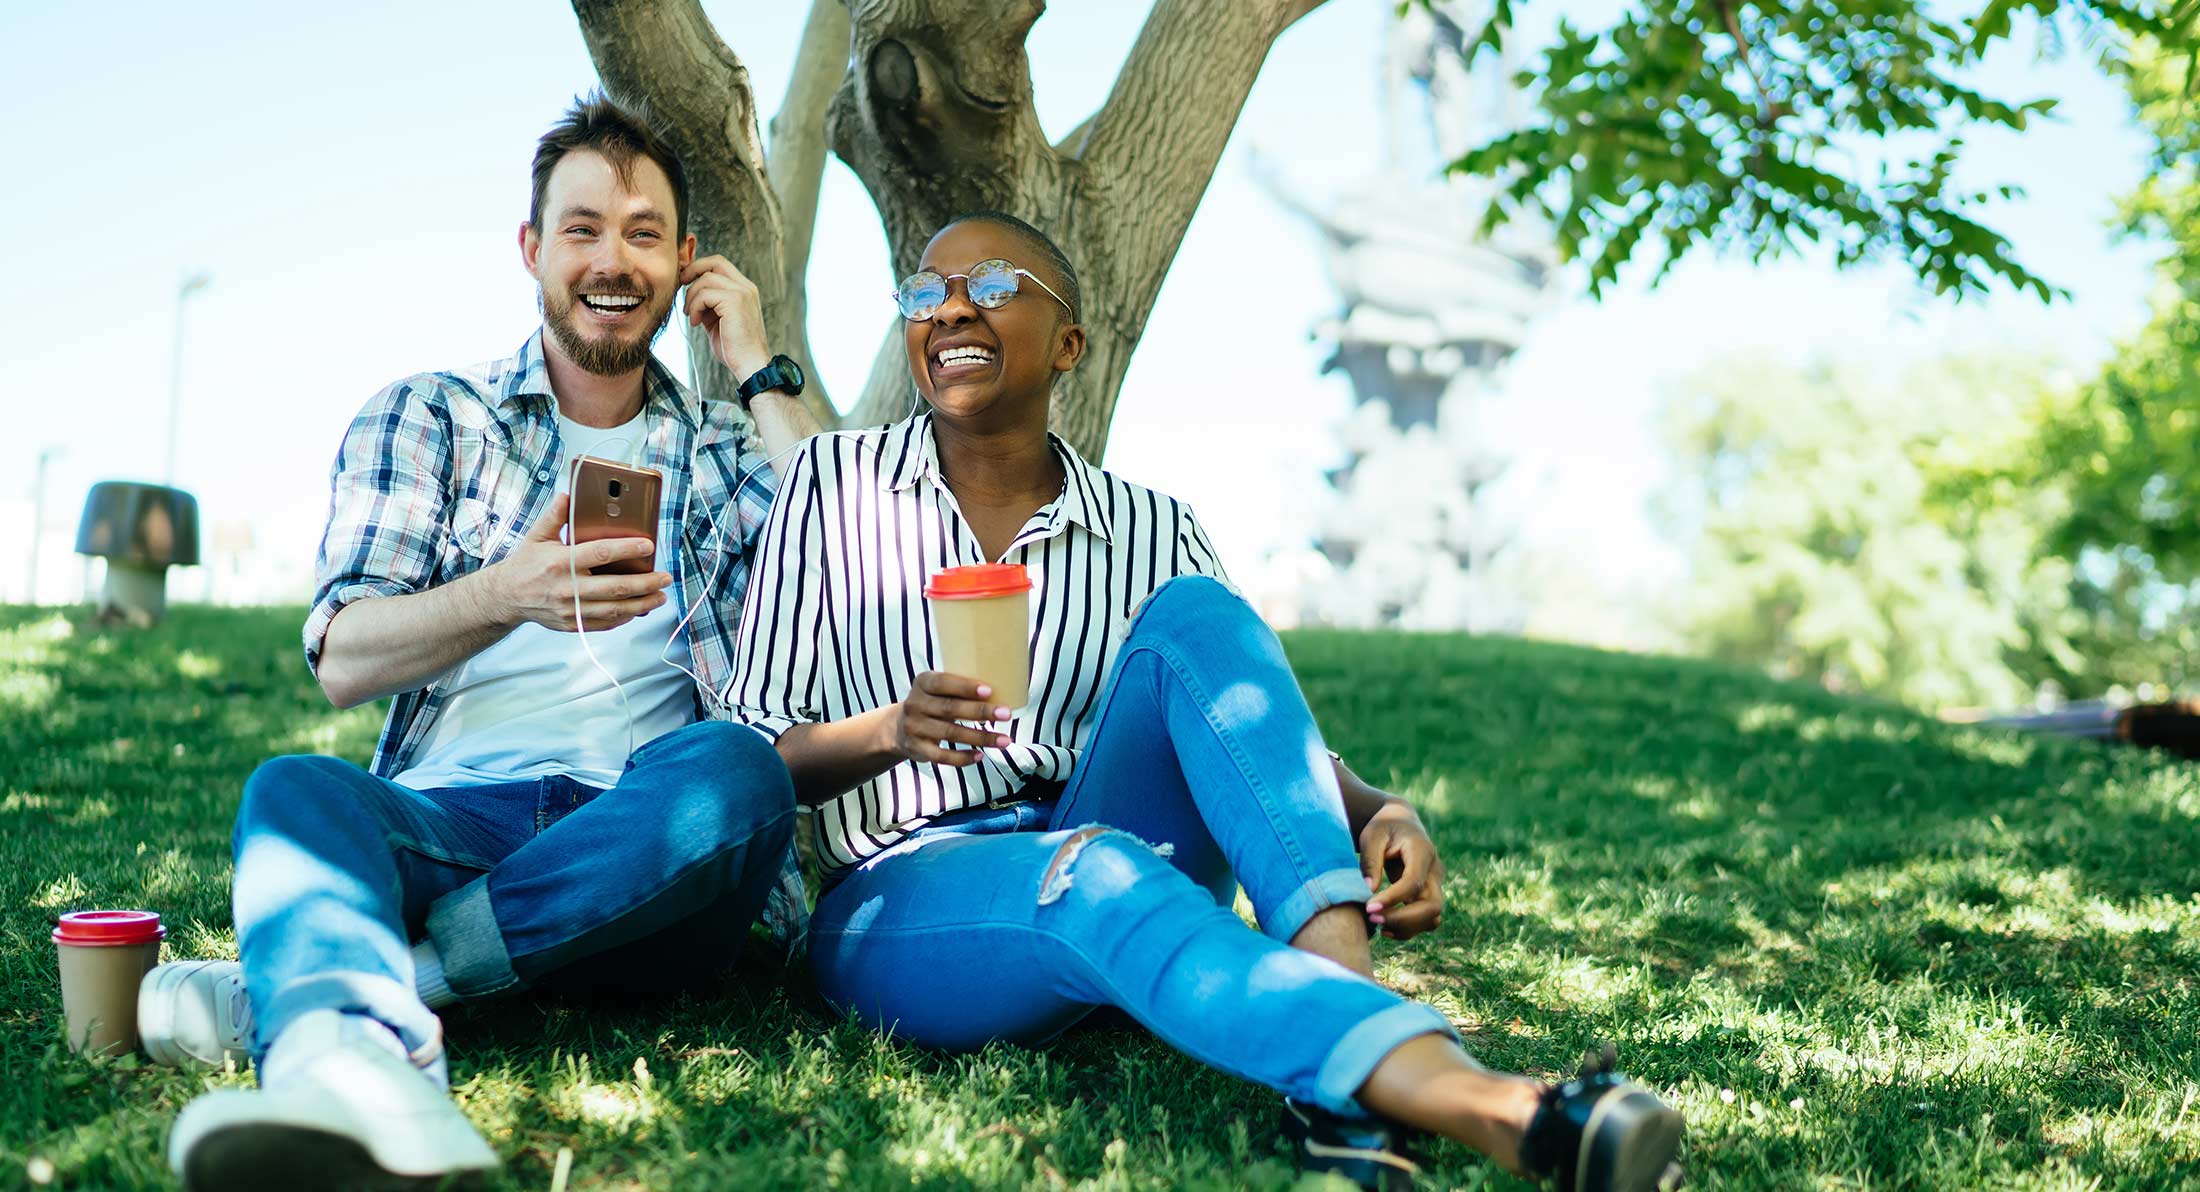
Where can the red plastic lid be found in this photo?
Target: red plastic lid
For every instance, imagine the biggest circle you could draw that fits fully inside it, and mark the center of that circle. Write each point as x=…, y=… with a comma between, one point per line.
x=978, y=581
x=108, y=929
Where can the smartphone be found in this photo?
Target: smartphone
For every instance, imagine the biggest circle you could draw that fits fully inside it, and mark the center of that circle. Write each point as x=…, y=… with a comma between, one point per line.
x=613, y=500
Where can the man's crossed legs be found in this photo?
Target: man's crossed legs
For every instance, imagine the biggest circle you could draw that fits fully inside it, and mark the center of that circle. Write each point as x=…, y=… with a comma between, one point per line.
x=360, y=902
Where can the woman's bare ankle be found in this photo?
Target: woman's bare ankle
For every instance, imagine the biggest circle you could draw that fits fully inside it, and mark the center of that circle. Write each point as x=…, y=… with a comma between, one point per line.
x=1431, y=1084
x=1340, y=934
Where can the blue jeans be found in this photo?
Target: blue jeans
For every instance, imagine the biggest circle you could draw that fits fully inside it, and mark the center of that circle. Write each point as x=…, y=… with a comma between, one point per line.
x=649, y=885
x=1205, y=769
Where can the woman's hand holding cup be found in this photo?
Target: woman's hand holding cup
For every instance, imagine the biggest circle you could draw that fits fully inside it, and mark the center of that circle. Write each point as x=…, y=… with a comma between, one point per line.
x=937, y=715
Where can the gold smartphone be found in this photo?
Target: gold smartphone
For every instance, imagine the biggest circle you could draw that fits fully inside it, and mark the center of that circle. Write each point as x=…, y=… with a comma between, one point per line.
x=613, y=500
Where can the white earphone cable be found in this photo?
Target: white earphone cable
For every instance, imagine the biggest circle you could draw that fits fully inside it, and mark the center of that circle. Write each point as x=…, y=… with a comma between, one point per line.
x=733, y=498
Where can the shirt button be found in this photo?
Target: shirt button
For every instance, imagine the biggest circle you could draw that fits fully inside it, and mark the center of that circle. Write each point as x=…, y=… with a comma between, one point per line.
x=543, y=475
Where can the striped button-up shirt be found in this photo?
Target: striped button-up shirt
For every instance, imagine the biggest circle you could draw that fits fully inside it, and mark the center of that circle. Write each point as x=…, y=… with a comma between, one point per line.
x=442, y=473
x=836, y=622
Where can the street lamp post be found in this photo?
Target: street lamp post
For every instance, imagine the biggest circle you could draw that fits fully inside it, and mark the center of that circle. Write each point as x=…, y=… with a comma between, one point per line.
x=192, y=283
x=38, y=520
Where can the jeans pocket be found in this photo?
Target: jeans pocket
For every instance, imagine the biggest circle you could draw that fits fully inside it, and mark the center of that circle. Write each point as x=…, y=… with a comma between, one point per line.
x=559, y=796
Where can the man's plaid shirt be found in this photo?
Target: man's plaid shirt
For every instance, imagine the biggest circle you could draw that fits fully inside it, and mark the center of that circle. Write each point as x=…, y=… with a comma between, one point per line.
x=442, y=473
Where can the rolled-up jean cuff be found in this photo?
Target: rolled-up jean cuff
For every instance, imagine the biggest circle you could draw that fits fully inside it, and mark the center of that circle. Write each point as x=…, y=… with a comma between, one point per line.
x=392, y=1004
x=465, y=932
x=1355, y=1056
x=1338, y=887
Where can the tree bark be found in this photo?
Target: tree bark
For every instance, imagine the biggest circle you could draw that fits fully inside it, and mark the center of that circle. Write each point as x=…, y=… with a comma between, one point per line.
x=663, y=56
x=797, y=168
x=934, y=113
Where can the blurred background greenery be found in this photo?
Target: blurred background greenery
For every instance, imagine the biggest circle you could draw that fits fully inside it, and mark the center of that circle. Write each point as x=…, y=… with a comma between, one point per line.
x=1975, y=529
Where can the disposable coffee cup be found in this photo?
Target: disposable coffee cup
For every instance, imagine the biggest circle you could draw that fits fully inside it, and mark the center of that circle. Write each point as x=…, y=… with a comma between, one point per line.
x=104, y=955
x=981, y=616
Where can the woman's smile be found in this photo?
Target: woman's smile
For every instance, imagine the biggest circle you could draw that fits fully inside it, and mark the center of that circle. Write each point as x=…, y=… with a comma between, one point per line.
x=962, y=357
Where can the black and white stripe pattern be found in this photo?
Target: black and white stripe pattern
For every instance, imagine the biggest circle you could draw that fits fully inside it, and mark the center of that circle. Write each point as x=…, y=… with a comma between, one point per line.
x=836, y=624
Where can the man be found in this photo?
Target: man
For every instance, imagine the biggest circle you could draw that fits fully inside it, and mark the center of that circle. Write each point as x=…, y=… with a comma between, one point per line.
x=548, y=804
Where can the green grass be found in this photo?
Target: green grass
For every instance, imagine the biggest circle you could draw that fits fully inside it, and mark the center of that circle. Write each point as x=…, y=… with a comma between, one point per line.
x=1858, y=948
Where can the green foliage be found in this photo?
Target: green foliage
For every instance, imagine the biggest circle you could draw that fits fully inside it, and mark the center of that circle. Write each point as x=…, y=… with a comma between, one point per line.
x=1760, y=129
x=2125, y=448
x=1854, y=530
x=1858, y=948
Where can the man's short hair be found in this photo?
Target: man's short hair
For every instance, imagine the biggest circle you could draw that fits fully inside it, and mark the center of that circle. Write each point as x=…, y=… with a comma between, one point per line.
x=621, y=134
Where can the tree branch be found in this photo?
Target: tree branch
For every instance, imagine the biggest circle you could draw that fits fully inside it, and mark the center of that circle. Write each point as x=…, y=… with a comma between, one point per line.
x=1158, y=137
x=663, y=55
x=1766, y=109
x=936, y=119
x=936, y=115
x=797, y=169
x=888, y=392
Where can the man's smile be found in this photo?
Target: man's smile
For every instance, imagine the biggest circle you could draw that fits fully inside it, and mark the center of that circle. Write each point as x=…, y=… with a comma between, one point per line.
x=611, y=310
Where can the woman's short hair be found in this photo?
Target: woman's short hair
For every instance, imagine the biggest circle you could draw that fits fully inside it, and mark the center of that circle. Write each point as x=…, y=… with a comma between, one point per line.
x=1072, y=293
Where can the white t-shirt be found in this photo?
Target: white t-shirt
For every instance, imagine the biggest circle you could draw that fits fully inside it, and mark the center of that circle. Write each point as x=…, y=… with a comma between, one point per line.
x=532, y=705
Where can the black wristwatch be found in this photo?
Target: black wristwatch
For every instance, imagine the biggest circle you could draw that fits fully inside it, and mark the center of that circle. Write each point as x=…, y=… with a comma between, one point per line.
x=782, y=374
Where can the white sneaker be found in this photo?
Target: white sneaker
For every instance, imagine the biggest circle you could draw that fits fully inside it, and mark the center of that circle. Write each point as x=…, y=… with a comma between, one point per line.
x=194, y=1013
x=349, y=1110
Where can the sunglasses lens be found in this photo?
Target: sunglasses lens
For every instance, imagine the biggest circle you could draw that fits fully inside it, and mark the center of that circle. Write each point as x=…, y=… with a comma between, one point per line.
x=920, y=294
x=992, y=283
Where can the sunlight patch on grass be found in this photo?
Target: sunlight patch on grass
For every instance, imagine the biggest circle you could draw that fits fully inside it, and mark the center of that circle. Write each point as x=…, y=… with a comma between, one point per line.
x=1584, y=983
x=1757, y=718
x=2168, y=792
x=26, y=692
x=193, y=665
x=2168, y=1122
x=169, y=875
x=1429, y=798
x=2001, y=748
x=1685, y=797
x=621, y=1108
x=200, y=940
x=2154, y=915
x=496, y=1099
x=332, y=731
x=33, y=641
x=61, y=893
x=88, y=811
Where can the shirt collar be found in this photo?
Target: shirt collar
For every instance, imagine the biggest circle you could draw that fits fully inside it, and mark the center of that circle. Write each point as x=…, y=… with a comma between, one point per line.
x=1082, y=486
x=916, y=456
x=529, y=376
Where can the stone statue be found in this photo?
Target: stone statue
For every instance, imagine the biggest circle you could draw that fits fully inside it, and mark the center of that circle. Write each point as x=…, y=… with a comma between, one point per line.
x=1431, y=311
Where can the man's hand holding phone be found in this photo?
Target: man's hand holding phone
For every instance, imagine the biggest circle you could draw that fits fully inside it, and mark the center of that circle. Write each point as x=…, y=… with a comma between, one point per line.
x=537, y=580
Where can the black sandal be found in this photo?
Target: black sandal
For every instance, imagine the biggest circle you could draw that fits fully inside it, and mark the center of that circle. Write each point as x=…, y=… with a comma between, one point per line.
x=1601, y=1132
x=1372, y=1153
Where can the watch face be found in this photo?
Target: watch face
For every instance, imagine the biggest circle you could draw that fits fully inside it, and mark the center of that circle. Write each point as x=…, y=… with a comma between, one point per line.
x=795, y=379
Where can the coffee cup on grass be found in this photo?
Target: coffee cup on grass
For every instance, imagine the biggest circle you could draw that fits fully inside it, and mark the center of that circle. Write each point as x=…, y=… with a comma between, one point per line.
x=103, y=956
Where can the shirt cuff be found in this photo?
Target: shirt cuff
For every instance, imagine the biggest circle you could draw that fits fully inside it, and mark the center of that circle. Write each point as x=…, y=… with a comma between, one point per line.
x=333, y=602
x=769, y=725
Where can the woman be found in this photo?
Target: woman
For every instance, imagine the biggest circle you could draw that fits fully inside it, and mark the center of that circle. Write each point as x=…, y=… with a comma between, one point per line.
x=995, y=873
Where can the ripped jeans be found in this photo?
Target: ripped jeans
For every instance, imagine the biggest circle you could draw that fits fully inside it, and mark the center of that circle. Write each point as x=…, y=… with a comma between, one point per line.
x=1204, y=770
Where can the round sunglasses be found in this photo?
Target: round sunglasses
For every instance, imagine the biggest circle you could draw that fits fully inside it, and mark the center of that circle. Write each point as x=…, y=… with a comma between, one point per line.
x=990, y=284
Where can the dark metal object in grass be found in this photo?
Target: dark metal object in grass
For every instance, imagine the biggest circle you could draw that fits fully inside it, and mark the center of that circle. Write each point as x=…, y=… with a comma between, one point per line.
x=2173, y=726
x=141, y=530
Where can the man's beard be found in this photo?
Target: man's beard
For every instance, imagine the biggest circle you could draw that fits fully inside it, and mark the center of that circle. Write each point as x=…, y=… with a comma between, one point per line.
x=605, y=356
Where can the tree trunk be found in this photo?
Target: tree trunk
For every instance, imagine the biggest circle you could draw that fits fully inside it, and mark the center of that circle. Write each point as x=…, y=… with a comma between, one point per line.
x=663, y=55
x=934, y=113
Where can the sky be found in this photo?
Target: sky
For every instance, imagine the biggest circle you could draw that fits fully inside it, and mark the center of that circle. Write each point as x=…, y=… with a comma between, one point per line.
x=354, y=183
